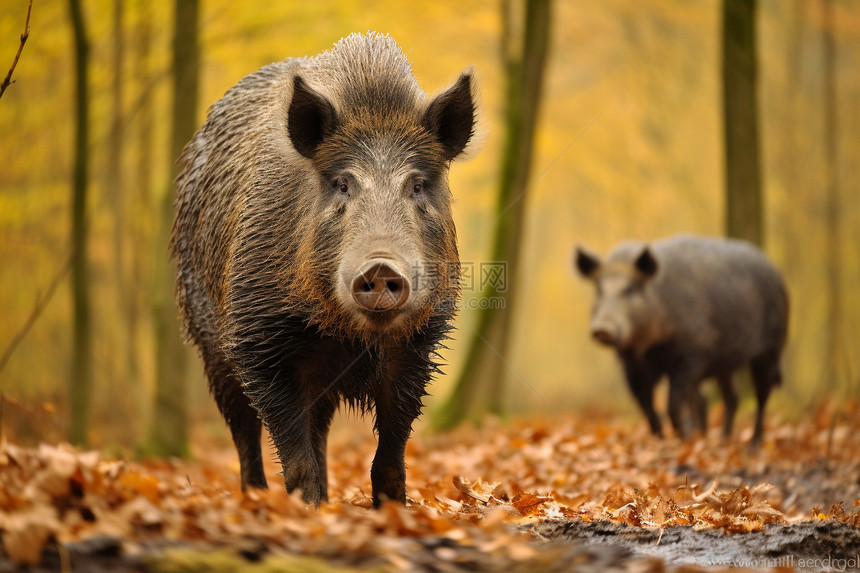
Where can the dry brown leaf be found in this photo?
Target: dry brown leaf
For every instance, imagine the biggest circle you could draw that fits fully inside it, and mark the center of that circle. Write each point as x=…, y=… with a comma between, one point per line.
x=528, y=504
x=616, y=497
x=26, y=533
x=479, y=490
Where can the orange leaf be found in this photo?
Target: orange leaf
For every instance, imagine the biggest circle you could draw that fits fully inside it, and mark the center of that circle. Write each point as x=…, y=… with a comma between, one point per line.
x=143, y=484
x=527, y=503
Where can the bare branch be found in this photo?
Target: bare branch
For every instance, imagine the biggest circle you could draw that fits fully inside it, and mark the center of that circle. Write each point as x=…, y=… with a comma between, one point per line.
x=8, y=79
x=41, y=303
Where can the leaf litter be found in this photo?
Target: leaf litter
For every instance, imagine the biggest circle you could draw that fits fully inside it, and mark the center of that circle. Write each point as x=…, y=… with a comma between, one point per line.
x=478, y=499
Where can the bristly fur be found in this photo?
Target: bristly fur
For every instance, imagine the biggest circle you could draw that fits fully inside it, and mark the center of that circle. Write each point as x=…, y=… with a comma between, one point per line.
x=258, y=238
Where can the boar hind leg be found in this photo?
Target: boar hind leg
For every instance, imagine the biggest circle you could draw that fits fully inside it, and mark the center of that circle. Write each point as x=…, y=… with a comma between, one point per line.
x=245, y=425
x=684, y=383
x=765, y=374
x=699, y=407
x=730, y=401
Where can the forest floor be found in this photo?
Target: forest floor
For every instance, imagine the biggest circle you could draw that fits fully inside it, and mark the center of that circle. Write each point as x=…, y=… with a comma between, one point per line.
x=553, y=496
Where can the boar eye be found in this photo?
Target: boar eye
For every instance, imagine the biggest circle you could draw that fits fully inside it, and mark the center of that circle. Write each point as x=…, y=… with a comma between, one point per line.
x=417, y=188
x=342, y=186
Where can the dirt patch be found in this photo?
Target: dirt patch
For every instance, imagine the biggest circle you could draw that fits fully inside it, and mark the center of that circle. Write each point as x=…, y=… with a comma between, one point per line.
x=819, y=545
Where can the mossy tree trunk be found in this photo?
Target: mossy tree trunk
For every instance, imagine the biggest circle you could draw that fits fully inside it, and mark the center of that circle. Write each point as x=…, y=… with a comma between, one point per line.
x=169, y=426
x=481, y=386
x=81, y=380
x=744, y=216
x=834, y=342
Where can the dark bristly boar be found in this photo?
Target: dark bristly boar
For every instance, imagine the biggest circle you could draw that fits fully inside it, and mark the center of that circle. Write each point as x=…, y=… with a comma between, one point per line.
x=316, y=252
x=690, y=308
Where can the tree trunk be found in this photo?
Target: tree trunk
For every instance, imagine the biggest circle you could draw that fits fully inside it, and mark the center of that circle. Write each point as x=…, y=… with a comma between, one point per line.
x=169, y=426
x=481, y=386
x=795, y=175
x=833, y=339
x=113, y=178
x=744, y=216
x=139, y=299
x=81, y=381
x=123, y=366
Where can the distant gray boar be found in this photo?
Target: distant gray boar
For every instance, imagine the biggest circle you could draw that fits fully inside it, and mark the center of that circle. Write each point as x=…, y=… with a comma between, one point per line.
x=691, y=308
x=316, y=252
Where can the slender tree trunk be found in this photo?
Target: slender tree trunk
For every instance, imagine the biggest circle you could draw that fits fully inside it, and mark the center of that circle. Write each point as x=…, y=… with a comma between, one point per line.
x=139, y=299
x=123, y=363
x=793, y=175
x=481, y=386
x=744, y=215
x=169, y=429
x=81, y=381
x=113, y=179
x=833, y=338
x=795, y=178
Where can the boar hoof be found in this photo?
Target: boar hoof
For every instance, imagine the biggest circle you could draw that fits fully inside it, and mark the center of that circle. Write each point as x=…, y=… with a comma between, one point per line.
x=307, y=480
x=388, y=484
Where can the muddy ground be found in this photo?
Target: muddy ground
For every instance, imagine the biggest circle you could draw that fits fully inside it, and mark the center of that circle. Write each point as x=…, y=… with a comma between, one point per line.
x=562, y=545
x=806, y=545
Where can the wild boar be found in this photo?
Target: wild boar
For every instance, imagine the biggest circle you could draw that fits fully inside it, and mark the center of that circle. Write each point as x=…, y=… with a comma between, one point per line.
x=316, y=252
x=691, y=308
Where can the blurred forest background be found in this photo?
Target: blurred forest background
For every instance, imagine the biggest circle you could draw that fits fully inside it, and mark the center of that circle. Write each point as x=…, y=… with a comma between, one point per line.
x=628, y=144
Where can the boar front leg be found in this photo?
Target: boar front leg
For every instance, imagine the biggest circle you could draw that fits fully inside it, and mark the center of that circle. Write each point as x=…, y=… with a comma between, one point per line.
x=641, y=378
x=396, y=409
x=245, y=426
x=388, y=471
x=323, y=411
x=286, y=407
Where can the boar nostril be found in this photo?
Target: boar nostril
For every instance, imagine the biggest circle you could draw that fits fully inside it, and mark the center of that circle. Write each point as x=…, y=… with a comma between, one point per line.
x=602, y=335
x=380, y=286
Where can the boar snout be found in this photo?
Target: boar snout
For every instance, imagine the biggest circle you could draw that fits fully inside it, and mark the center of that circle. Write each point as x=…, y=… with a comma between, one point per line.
x=604, y=335
x=380, y=286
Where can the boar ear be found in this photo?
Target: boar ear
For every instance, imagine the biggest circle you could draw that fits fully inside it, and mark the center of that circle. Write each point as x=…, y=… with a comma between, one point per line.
x=646, y=263
x=586, y=263
x=451, y=116
x=310, y=119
